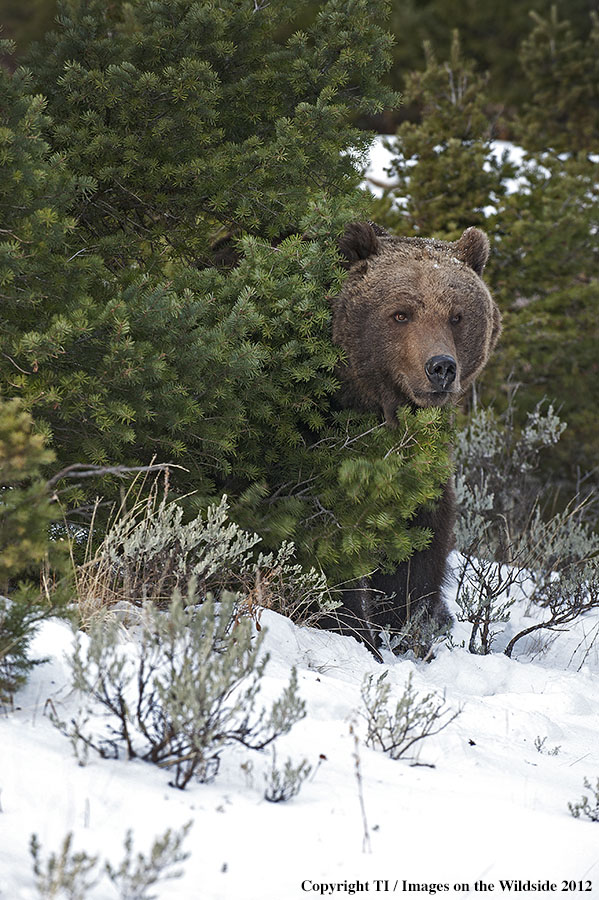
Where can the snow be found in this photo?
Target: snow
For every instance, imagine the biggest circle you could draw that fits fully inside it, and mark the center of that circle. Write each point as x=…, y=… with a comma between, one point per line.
x=482, y=804
x=379, y=162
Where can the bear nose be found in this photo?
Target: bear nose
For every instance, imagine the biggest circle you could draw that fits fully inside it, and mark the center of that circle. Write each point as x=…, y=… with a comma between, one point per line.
x=441, y=371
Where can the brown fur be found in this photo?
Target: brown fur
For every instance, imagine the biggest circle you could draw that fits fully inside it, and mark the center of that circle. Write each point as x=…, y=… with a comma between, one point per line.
x=405, y=303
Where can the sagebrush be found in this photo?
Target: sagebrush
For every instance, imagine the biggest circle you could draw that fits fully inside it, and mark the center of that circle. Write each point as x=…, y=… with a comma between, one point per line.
x=181, y=692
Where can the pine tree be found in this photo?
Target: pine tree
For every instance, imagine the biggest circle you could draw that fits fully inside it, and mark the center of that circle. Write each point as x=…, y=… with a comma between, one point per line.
x=65, y=345
x=446, y=174
x=546, y=256
x=562, y=74
x=26, y=509
x=182, y=122
x=26, y=513
x=194, y=117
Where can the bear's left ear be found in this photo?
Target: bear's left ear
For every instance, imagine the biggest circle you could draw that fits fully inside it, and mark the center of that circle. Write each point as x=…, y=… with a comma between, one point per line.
x=473, y=249
x=359, y=241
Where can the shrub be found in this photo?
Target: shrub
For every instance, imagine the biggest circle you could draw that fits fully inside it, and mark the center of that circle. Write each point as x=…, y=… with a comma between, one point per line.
x=184, y=693
x=510, y=538
x=67, y=873
x=149, y=551
x=181, y=125
x=73, y=875
x=584, y=807
x=395, y=731
x=417, y=638
x=284, y=784
x=134, y=878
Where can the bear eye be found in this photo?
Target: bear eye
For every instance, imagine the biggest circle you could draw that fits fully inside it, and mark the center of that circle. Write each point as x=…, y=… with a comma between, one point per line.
x=400, y=316
x=456, y=319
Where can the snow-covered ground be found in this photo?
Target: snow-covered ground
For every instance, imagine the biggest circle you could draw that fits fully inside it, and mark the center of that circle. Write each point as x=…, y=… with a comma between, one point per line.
x=482, y=805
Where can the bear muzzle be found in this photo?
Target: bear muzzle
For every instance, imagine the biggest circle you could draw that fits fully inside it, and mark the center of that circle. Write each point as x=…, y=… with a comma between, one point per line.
x=441, y=371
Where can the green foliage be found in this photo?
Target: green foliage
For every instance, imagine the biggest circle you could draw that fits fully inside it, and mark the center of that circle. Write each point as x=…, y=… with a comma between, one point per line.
x=544, y=264
x=64, y=346
x=411, y=22
x=359, y=485
x=544, y=241
x=187, y=691
x=182, y=122
x=26, y=513
x=445, y=175
x=562, y=73
x=193, y=115
x=26, y=509
x=490, y=35
x=544, y=271
x=18, y=620
x=414, y=718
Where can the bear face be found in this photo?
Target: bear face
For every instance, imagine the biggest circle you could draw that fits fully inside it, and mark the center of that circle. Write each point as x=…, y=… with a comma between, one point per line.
x=414, y=318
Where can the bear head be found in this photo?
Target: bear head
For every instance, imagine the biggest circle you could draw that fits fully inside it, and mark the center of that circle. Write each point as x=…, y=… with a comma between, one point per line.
x=414, y=318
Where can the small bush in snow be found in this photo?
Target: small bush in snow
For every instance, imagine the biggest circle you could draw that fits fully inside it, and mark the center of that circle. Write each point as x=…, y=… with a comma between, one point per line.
x=73, y=875
x=414, y=718
x=65, y=873
x=584, y=807
x=135, y=876
x=540, y=746
x=150, y=551
x=284, y=784
x=185, y=690
x=507, y=537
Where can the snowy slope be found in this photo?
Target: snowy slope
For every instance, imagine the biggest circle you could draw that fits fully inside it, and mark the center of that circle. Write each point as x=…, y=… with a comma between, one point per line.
x=482, y=804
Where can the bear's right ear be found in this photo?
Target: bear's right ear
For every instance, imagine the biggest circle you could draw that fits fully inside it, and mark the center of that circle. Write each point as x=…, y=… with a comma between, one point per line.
x=473, y=249
x=359, y=241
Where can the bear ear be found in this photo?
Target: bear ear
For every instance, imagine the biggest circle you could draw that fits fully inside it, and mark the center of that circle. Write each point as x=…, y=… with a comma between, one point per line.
x=473, y=249
x=359, y=241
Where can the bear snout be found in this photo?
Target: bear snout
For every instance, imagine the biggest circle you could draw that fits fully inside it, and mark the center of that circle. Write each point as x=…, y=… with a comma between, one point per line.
x=441, y=371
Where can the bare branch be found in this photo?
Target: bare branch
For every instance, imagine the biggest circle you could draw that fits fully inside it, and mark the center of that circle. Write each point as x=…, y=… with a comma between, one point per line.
x=83, y=470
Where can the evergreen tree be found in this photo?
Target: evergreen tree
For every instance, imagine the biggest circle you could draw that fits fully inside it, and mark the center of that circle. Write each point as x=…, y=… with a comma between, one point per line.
x=194, y=116
x=26, y=510
x=446, y=174
x=26, y=513
x=562, y=74
x=545, y=276
x=183, y=121
x=65, y=341
x=545, y=266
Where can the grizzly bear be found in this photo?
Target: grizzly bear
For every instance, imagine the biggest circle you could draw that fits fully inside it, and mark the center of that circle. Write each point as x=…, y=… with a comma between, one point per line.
x=416, y=324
